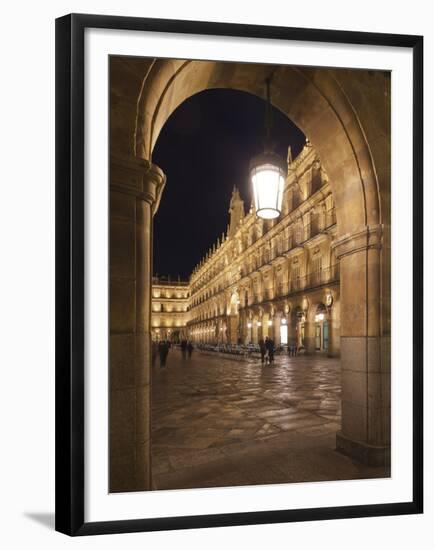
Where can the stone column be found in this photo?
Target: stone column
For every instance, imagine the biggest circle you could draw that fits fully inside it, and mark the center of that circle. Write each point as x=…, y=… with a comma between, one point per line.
x=292, y=322
x=255, y=329
x=135, y=190
x=261, y=325
x=242, y=326
x=276, y=328
x=265, y=327
x=309, y=333
x=232, y=328
x=334, y=330
x=271, y=327
x=365, y=348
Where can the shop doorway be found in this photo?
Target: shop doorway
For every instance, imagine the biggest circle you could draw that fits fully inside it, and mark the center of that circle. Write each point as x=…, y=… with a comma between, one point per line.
x=300, y=329
x=283, y=335
x=321, y=329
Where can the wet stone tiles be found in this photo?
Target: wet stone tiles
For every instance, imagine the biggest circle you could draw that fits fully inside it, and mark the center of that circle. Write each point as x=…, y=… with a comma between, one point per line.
x=223, y=422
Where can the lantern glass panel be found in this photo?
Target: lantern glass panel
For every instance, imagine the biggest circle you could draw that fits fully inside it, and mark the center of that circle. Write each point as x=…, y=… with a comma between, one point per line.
x=268, y=183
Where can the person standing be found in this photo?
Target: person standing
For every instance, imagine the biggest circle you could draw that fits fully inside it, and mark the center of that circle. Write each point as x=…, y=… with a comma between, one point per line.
x=184, y=348
x=190, y=349
x=262, y=349
x=271, y=351
x=163, y=350
x=154, y=352
x=269, y=345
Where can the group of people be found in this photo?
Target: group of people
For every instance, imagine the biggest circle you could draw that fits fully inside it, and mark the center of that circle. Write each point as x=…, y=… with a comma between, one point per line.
x=186, y=348
x=293, y=350
x=161, y=349
x=266, y=347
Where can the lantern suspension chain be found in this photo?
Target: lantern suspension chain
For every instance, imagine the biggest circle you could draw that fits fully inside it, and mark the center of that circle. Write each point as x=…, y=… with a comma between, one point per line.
x=268, y=171
x=268, y=116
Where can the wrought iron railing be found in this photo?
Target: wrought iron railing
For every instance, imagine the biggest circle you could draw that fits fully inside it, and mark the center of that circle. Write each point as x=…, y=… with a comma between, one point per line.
x=162, y=280
x=268, y=294
x=315, y=278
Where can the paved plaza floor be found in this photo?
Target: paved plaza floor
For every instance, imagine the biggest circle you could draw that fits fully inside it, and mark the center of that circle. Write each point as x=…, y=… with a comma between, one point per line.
x=220, y=421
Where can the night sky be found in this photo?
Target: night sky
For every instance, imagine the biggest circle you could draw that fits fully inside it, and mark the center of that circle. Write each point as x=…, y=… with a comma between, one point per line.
x=204, y=149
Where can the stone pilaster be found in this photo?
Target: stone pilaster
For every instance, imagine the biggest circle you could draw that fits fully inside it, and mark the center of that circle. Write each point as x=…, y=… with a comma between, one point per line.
x=334, y=329
x=365, y=431
x=135, y=190
x=292, y=336
x=255, y=330
x=232, y=323
x=276, y=328
x=309, y=334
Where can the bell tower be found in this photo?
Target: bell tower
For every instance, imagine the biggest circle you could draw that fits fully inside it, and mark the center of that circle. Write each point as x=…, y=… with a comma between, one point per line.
x=236, y=211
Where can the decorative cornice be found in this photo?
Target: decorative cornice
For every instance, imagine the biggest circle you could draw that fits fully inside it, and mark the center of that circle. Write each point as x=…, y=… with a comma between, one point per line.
x=365, y=239
x=295, y=251
x=138, y=177
x=280, y=259
x=317, y=239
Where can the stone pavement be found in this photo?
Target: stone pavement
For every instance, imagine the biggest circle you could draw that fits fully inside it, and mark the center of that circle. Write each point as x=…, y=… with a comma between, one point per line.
x=219, y=421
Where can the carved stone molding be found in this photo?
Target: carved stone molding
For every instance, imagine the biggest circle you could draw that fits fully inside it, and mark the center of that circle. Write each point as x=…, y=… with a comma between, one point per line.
x=367, y=238
x=138, y=177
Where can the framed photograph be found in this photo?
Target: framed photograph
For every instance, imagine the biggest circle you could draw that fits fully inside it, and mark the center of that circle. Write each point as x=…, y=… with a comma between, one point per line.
x=238, y=274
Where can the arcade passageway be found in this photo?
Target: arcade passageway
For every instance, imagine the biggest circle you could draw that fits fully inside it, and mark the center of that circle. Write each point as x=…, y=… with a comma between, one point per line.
x=229, y=423
x=221, y=421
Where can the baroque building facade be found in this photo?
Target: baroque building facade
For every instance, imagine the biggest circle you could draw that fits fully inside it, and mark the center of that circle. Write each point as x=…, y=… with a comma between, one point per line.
x=170, y=303
x=347, y=115
x=276, y=278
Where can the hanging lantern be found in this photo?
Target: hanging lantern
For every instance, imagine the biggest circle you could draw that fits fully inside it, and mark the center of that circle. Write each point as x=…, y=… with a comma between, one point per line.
x=267, y=173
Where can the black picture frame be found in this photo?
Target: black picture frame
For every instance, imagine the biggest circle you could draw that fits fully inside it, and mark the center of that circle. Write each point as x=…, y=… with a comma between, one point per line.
x=70, y=264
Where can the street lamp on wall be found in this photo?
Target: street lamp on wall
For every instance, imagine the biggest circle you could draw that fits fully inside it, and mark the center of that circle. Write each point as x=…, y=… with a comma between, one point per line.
x=267, y=173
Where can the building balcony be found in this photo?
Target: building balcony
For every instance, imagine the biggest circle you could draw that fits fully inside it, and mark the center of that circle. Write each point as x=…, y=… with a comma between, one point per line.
x=167, y=281
x=268, y=294
x=314, y=279
x=282, y=289
x=255, y=299
x=296, y=284
x=330, y=217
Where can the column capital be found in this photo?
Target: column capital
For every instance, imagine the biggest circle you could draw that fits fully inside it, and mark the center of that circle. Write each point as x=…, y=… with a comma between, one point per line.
x=370, y=237
x=138, y=177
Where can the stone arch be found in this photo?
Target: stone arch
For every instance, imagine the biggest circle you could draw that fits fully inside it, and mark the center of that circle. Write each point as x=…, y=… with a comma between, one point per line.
x=346, y=115
x=307, y=96
x=297, y=321
x=233, y=303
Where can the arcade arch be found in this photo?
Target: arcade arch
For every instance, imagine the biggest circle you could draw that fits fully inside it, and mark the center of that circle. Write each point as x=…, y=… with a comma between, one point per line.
x=347, y=119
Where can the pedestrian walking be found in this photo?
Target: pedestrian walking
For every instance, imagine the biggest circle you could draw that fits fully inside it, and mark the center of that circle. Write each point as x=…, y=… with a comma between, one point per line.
x=163, y=350
x=267, y=347
x=154, y=352
x=190, y=349
x=262, y=349
x=269, y=344
x=271, y=351
x=184, y=348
